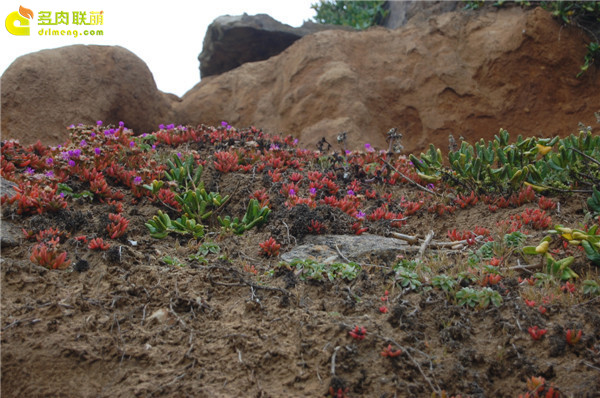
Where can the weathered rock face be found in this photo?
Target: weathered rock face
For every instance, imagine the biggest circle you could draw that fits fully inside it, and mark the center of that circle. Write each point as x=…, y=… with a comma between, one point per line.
x=463, y=73
x=400, y=12
x=44, y=92
x=231, y=41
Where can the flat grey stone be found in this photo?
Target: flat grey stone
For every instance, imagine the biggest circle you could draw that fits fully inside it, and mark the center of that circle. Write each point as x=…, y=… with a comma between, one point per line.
x=327, y=248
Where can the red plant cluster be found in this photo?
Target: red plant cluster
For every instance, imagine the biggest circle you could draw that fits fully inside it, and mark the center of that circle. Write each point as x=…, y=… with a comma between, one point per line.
x=358, y=333
x=536, y=333
x=525, y=195
x=270, y=247
x=466, y=201
x=546, y=204
x=382, y=213
x=539, y=389
x=390, y=353
x=226, y=162
x=48, y=255
x=316, y=227
x=535, y=218
x=117, y=228
x=34, y=199
x=98, y=244
x=490, y=279
x=262, y=197
x=573, y=336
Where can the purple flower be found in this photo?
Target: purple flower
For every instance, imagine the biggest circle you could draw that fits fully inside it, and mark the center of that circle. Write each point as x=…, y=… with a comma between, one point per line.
x=71, y=126
x=274, y=147
x=137, y=180
x=360, y=214
x=369, y=148
x=62, y=194
x=93, y=135
x=99, y=122
x=348, y=152
x=350, y=192
x=75, y=153
x=71, y=163
x=50, y=174
x=29, y=171
x=170, y=126
x=224, y=123
x=313, y=191
x=430, y=186
x=131, y=144
x=161, y=126
x=98, y=151
x=295, y=141
x=291, y=192
x=144, y=135
x=82, y=143
x=49, y=161
x=108, y=132
x=179, y=155
x=121, y=124
x=153, y=146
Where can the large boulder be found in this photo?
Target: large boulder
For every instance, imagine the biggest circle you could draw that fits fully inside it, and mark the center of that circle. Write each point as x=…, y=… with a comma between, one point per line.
x=231, y=41
x=45, y=91
x=463, y=73
x=400, y=12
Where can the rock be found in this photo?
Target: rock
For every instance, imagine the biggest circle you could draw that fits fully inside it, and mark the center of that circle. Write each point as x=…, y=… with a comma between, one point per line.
x=231, y=41
x=10, y=234
x=460, y=72
x=400, y=12
x=327, y=248
x=45, y=91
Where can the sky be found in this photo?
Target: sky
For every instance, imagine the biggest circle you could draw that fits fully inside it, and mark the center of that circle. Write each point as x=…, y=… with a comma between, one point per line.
x=167, y=38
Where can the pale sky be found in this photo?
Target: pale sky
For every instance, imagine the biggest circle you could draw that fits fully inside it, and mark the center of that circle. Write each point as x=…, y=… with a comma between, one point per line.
x=167, y=38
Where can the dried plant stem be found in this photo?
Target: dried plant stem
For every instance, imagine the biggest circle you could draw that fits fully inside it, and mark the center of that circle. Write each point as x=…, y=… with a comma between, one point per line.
x=407, y=178
x=425, y=243
x=335, y=350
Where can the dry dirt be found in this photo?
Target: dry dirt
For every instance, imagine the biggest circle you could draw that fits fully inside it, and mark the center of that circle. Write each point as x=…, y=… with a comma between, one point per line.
x=124, y=323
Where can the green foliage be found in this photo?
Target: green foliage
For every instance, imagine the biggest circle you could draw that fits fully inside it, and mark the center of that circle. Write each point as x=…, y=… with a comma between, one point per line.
x=593, y=202
x=357, y=14
x=209, y=248
x=444, y=282
x=588, y=239
x=161, y=225
x=571, y=11
x=591, y=287
x=515, y=239
x=499, y=166
x=255, y=216
x=184, y=173
x=481, y=298
x=68, y=191
x=408, y=279
x=195, y=203
x=310, y=269
x=173, y=261
x=592, y=56
x=559, y=268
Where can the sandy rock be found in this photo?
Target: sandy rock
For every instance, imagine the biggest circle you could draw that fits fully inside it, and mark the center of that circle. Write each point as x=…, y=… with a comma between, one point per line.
x=45, y=91
x=461, y=72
